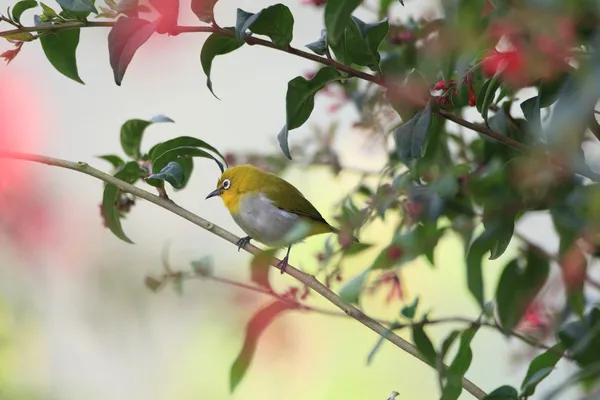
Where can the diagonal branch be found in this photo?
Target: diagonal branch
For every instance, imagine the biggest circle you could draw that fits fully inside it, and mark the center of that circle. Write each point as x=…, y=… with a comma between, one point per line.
x=307, y=279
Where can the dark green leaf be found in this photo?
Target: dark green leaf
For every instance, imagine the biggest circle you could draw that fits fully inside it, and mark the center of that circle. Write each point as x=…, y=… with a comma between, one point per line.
x=183, y=141
x=179, y=152
x=116, y=161
x=503, y=393
x=132, y=132
x=460, y=365
x=411, y=137
x=21, y=7
x=260, y=267
x=531, y=111
x=362, y=42
x=381, y=340
x=130, y=173
x=582, y=338
x=204, y=9
x=320, y=46
x=254, y=329
x=540, y=368
x=172, y=173
x=356, y=248
x=60, y=49
x=502, y=230
x=275, y=21
x=518, y=287
x=423, y=344
x=410, y=310
x=124, y=39
x=352, y=290
x=488, y=95
x=300, y=101
x=216, y=45
x=337, y=17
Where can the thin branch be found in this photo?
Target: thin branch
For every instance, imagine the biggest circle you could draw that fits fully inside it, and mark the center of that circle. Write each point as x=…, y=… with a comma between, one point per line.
x=306, y=279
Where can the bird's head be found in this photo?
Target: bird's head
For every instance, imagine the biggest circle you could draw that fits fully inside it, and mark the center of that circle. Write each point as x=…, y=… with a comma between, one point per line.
x=235, y=182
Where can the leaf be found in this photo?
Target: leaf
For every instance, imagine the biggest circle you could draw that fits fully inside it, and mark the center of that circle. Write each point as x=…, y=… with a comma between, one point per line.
x=254, y=329
x=410, y=310
x=424, y=344
x=182, y=152
x=275, y=21
x=124, y=39
x=517, y=288
x=503, y=393
x=356, y=248
x=116, y=161
x=260, y=267
x=460, y=365
x=169, y=10
x=204, y=10
x=183, y=141
x=203, y=266
x=337, y=17
x=80, y=6
x=60, y=49
x=320, y=46
x=216, y=45
x=539, y=368
x=21, y=7
x=487, y=94
x=130, y=173
x=300, y=101
x=381, y=340
x=502, y=230
x=411, y=137
x=582, y=338
x=350, y=292
x=362, y=42
x=172, y=173
x=132, y=132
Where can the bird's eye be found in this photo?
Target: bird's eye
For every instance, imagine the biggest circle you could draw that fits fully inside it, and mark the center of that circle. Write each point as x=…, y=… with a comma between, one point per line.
x=226, y=184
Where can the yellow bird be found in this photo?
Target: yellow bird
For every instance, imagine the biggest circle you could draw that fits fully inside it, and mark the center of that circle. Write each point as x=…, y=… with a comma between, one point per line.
x=267, y=207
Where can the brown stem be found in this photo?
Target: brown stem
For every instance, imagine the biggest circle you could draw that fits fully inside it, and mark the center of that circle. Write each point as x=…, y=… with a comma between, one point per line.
x=306, y=279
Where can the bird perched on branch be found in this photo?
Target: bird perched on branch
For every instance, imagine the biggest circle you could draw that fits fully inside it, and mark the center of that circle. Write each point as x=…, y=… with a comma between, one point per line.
x=269, y=209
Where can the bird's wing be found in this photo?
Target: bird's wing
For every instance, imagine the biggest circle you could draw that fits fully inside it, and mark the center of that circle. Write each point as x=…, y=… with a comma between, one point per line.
x=293, y=200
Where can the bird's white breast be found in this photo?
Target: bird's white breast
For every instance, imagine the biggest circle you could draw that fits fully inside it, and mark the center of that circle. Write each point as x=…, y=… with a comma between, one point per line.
x=262, y=220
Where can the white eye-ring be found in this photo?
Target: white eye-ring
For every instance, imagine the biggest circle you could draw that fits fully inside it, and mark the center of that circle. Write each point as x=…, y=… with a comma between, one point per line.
x=226, y=184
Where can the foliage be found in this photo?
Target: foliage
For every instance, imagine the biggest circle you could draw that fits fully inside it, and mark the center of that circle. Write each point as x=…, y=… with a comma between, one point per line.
x=407, y=81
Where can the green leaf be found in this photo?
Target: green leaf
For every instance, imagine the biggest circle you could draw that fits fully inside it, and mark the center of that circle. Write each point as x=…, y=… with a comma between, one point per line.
x=203, y=266
x=275, y=21
x=488, y=93
x=503, y=393
x=460, y=365
x=132, y=132
x=21, y=7
x=381, y=340
x=362, y=42
x=411, y=137
x=352, y=290
x=410, y=310
x=518, y=287
x=60, y=49
x=254, y=329
x=130, y=173
x=116, y=161
x=424, y=344
x=182, y=141
x=260, y=267
x=582, y=338
x=300, y=101
x=539, y=368
x=320, y=46
x=80, y=6
x=204, y=10
x=337, y=17
x=172, y=173
x=124, y=39
x=502, y=230
x=356, y=248
x=216, y=45
x=181, y=152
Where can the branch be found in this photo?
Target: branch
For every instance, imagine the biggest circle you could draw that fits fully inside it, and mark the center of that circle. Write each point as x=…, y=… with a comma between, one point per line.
x=306, y=279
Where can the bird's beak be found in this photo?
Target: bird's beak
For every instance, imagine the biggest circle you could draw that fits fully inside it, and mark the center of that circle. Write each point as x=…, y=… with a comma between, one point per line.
x=214, y=193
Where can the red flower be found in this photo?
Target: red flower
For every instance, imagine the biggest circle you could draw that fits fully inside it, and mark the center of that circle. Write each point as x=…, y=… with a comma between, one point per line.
x=396, y=286
x=472, y=96
x=402, y=37
x=316, y=3
x=394, y=253
x=509, y=64
x=9, y=55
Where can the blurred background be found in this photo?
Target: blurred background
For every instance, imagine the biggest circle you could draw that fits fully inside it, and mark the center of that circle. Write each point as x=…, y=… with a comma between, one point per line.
x=76, y=320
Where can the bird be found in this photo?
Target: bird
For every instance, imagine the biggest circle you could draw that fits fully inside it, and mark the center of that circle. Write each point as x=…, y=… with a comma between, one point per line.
x=267, y=208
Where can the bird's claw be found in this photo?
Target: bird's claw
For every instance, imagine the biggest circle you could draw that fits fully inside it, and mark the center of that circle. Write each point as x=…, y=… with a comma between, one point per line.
x=243, y=242
x=282, y=265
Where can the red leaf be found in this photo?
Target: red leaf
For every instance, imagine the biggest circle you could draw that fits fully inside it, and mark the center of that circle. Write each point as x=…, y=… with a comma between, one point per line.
x=169, y=9
x=260, y=266
x=204, y=10
x=254, y=329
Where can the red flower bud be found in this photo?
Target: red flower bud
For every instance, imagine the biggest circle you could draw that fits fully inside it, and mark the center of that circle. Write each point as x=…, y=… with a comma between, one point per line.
x=394, y=253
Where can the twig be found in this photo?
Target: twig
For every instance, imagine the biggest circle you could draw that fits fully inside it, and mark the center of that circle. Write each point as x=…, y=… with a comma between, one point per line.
x=306, y=279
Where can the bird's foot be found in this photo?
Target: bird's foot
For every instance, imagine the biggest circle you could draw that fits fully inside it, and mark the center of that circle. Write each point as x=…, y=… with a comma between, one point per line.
x=243, y=242
x=282, y=265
